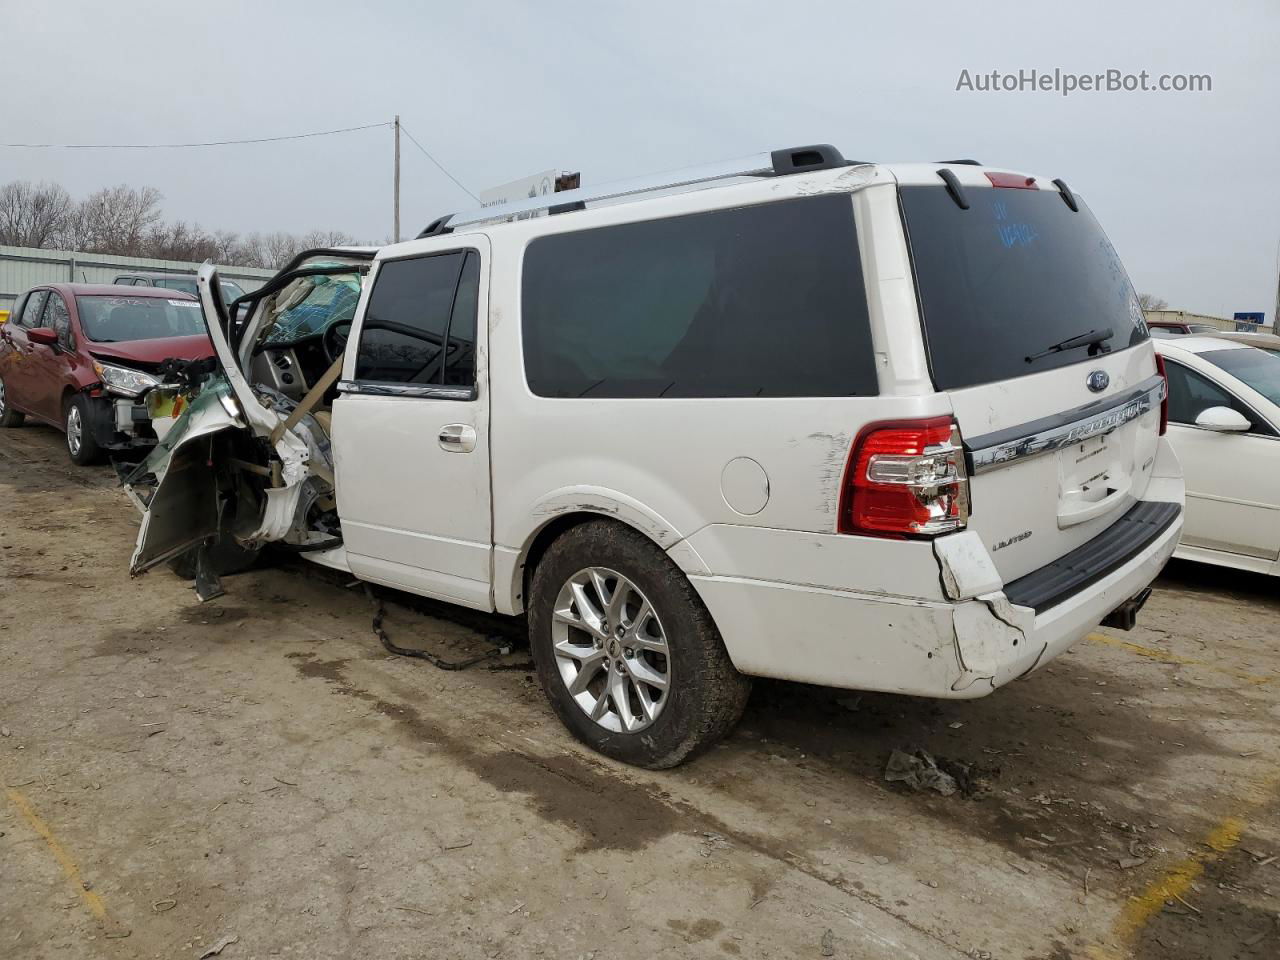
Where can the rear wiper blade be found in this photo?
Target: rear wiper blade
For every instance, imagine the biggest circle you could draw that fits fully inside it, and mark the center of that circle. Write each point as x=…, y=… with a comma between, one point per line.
x=1090, y=339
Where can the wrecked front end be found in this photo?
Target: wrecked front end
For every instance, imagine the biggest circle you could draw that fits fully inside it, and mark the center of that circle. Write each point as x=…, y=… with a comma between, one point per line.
x=239, y=463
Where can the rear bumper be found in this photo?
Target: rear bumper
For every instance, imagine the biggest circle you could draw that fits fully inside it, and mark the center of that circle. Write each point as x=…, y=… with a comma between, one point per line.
x=956, y=649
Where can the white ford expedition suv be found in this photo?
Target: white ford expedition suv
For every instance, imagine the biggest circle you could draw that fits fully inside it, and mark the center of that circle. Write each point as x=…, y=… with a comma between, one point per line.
x=871, y=426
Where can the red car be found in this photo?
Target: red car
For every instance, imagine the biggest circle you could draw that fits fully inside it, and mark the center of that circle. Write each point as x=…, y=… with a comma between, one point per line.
x=82, y=357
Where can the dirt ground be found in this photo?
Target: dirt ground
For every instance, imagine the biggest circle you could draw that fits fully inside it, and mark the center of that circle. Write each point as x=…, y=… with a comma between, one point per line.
x=258, y=768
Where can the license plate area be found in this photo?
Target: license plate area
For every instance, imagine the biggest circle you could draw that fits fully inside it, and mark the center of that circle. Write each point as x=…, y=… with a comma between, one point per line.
x=1084, y=469
x=1093, y=478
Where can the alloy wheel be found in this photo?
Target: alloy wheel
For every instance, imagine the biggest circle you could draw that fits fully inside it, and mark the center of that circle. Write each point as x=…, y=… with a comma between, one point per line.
x=611, y=650
x=75, y=430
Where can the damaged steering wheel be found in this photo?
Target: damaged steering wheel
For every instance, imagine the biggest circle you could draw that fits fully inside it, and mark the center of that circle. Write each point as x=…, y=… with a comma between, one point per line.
x=334, y=340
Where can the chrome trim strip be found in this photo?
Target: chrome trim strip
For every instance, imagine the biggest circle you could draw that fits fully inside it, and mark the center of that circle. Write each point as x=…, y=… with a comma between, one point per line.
x=1052, y=433
x=430, y=391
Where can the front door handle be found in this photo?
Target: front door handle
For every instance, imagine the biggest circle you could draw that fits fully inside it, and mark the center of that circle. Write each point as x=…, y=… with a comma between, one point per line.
x=458, y=438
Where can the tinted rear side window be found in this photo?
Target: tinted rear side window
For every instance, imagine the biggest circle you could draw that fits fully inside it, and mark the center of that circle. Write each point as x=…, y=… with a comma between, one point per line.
x=755, y=301
x=1006, y=279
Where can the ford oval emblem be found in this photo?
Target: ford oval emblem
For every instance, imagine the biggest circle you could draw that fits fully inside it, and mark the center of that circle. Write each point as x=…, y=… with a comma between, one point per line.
x=1098, y=381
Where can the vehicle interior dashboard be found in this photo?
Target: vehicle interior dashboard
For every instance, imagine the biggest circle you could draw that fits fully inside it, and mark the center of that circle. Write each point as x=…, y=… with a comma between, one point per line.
x=291, y=367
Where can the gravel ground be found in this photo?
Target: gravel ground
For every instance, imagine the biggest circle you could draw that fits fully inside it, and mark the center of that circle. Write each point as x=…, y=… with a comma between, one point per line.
x=258, y=768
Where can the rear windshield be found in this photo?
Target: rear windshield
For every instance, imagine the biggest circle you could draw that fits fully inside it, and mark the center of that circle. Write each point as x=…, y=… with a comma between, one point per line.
x=1260, y=369
x=760, y=301
x=1010, y=277
x=118, y=319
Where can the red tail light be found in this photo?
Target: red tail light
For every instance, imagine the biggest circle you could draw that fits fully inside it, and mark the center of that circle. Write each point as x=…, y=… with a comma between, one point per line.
x=1164, y=400
x=906, y=479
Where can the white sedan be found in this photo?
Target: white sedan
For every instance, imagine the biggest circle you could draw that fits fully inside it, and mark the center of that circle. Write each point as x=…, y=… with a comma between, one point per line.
x=1224, y=424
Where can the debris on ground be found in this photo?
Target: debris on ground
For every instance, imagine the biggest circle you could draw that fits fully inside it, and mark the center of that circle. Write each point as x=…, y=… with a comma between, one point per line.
x=919, y=771
x=711, y=842
x=973, y=779
x=221, y=945
x=829, y=943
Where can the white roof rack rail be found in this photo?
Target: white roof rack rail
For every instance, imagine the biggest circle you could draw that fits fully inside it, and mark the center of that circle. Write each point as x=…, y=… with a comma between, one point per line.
x=779, y=162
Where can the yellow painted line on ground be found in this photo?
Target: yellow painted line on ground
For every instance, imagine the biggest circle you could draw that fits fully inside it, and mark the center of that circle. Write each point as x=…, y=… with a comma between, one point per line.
x=1164, y=656
x=1175, y=883
x=68, y=865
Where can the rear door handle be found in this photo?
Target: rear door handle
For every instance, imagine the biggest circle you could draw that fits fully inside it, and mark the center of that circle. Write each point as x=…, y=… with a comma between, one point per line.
x=458, y=438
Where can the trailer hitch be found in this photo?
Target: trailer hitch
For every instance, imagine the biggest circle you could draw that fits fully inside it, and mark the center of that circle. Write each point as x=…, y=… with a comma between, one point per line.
x=1125, y=616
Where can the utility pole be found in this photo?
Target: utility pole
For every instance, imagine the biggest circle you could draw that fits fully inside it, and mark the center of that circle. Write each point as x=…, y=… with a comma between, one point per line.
x=1275, y=314
x=395, y=233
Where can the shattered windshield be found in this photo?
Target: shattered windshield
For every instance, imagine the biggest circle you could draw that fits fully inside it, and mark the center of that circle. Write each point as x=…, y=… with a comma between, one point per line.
x=309, y=305
x=118, y=319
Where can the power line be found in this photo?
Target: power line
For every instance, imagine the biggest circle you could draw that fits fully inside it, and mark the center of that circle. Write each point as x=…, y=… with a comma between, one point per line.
x=438, y=164
x=209, y=143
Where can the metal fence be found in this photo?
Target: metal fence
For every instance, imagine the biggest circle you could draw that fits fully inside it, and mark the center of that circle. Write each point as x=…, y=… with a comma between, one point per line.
x=24, y=267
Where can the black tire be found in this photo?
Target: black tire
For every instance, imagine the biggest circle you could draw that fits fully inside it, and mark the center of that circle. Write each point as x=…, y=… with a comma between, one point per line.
x=9, y=417
x=706, y=695
x=82, y=446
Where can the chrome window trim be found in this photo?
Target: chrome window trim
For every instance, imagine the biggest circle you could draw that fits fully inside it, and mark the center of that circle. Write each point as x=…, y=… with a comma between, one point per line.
x=1233, y=433
x=420, y=391
x=1037, y=437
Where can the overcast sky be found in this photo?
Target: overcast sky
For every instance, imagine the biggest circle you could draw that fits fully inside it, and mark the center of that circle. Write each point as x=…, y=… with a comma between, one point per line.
x=1186, y=184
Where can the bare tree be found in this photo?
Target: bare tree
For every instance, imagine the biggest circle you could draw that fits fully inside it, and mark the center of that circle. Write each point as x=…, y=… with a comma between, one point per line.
x=33, y=215
x=279, y=248
x=117, y=218
x=127, y=221
x=1149, y=301
x=249, y=252
x=228, y=244
x=179, y=241
x=326, y=238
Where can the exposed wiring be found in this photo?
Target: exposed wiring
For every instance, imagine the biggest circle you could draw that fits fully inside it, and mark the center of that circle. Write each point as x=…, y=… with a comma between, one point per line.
x=438, y=164
x=208, y=143
x=379, y=611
